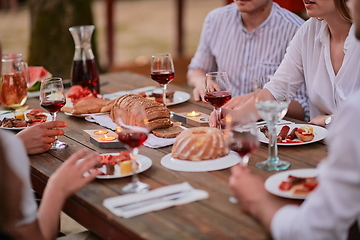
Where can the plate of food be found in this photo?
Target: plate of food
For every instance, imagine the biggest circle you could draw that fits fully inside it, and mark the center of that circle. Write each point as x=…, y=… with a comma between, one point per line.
x=86, y=107
x=200, y=166
x=294, y=184
x=118, y=165
x=23, y=120
x=294, y=134
x=172, y=97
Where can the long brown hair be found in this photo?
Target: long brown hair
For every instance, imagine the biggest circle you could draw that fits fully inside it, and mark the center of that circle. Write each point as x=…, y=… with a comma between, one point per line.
x=342, y=9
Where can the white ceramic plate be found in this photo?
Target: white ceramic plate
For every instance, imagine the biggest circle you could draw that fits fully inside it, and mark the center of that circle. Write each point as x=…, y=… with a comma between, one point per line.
x=179, y=96
x=85, y=115
x=11, y=115
x=319, y=132
x=33, y=94
x=143, y=161
x=202, y=166
x=273, y=182
x=70, y=104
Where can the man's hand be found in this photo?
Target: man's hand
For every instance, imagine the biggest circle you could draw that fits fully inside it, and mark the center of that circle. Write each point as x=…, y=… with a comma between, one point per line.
x=38, y=138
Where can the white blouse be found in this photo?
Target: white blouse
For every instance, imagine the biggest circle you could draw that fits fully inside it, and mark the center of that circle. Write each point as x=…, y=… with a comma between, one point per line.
x=308, y=60
x=334, y=205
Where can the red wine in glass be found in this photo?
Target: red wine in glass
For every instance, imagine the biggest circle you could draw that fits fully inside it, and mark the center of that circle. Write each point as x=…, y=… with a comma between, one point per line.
x=53, y=106
x=162, y=77
x=243, y=147
x=85, y=74
x=217, y=99
x=132, y=139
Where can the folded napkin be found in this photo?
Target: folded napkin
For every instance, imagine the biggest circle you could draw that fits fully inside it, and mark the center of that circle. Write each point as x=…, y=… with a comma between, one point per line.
x=118, y=94
x=151, y=142
x=134, y=204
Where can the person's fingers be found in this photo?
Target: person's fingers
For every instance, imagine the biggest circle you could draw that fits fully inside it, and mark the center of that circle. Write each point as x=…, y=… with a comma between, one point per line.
x=53, y=124
x=54, y=132
x=196, y=95
x=76, y=156
x=89, y=161
x=212, y=120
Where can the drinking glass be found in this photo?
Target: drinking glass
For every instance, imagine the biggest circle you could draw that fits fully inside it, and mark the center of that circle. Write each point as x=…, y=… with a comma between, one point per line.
x=162, y=71
x=217, y=92
x=52, y=98
x=272, y=111
x=241, y=138
x=14, y=80
x=132, y=130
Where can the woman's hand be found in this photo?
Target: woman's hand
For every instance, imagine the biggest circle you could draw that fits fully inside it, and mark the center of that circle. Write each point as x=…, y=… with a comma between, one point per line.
x=319, y=120
x=38, y=138
x=69, y=177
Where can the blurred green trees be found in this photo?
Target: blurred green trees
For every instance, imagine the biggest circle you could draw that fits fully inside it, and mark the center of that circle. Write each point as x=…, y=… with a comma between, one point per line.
x=51, y=44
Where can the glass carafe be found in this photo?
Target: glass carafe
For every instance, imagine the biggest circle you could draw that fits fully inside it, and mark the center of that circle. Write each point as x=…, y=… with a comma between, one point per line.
x=13, y=81
x=84, y=70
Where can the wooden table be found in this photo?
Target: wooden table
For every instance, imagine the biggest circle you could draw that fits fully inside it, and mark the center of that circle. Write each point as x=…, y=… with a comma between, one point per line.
x=213, y=218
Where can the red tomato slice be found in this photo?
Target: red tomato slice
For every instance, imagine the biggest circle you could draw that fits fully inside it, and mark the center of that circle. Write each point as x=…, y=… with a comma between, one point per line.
x=285, y=186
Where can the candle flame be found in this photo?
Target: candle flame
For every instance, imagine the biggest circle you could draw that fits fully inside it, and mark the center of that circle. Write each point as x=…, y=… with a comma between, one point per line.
x=193, y=114
x=108, y=138
x=100, y=132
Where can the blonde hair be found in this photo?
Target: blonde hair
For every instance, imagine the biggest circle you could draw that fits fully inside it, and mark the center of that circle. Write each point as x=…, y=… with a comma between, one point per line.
x=340, y=5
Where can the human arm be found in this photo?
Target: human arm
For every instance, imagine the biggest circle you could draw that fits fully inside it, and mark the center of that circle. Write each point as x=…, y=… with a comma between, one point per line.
x=68, y=179
x=253, y=199
x=319, y=120
x=332, y=207
x=196, y=79
x=38, y=138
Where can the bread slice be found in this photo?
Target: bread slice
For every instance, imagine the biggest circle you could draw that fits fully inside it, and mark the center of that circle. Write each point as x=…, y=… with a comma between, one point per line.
x=170, y=132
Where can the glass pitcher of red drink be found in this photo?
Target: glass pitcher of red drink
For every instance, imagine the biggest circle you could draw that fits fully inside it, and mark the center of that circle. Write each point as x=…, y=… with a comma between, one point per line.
x=84, y=70
x=14, y=81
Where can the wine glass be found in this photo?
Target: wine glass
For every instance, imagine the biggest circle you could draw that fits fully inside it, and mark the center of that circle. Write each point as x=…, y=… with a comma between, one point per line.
x=217, y=92
x=241, y=138
x=162, y=71
x=132, y=130
x=52, y=98
x=272, y=111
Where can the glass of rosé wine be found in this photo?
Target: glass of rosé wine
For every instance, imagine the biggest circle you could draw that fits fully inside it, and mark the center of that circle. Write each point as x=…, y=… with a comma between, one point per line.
x=52, y=98
x=217, y=92
x=240, y=138
x=162, y=71
x=132, y=130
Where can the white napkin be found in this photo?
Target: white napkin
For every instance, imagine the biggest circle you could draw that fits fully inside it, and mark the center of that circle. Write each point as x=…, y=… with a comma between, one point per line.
x=118, y=94
x=151, y=142
x=184, y=191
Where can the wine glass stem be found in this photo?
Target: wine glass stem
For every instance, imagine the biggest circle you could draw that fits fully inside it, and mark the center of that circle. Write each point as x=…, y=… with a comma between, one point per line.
x=217, y=115
x=273, y=150
x=53, y=118
x=133, y=155
x=164, y=87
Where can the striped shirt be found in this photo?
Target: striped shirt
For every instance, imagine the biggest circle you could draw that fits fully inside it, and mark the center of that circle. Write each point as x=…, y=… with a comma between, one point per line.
x=225, y=45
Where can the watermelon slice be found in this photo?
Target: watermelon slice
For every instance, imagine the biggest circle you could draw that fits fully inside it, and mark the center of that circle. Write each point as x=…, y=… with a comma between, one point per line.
x=36, y=75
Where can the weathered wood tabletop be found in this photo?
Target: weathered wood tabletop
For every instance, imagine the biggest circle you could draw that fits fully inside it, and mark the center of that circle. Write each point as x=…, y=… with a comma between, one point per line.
x=213, y=218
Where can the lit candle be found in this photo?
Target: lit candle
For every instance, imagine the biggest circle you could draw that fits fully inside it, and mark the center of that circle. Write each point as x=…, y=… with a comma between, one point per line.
x=99, y=132
x=193, y=114
x=108, y=138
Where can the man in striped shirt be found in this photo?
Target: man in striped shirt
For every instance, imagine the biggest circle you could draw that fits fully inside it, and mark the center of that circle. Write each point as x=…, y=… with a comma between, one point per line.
x=248, y=40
